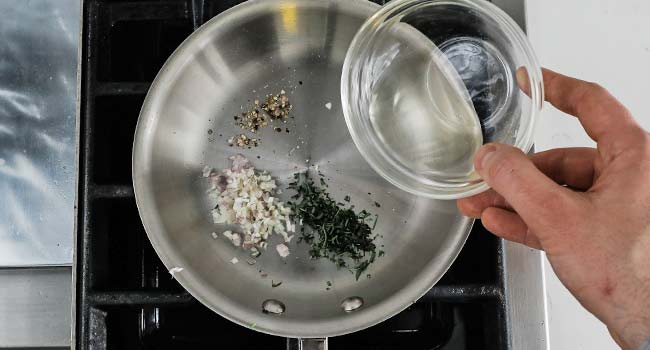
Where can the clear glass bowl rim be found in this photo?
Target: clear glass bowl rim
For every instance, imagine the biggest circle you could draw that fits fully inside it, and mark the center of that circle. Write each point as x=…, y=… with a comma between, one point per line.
x=368, y=144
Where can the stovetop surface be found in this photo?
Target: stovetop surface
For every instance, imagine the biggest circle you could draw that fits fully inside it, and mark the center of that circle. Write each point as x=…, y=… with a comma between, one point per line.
x=126, y=299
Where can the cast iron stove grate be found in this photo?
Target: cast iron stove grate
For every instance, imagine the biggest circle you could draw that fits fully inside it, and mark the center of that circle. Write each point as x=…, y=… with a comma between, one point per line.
x=125, y=298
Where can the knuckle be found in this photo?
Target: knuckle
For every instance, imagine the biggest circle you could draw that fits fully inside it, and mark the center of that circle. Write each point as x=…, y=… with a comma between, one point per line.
x=502, y=169
x=596, y=89
x=639, y=137
x=589, y=97
x=645, y=145
x=645, y=156
x=634, y=146
x=507, y=165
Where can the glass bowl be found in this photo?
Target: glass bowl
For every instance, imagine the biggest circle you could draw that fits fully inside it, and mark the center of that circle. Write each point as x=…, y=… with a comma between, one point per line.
x=426, y=82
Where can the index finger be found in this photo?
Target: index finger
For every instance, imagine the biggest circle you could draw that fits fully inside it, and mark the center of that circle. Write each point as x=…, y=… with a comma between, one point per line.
x=602, y=116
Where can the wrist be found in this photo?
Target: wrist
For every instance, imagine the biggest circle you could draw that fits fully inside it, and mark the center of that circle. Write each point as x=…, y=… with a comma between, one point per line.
x=629, y=319
x=632, y=336
x=645, y=345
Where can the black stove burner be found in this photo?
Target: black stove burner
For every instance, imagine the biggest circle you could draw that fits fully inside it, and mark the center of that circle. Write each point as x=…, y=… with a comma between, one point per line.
x=126, y=299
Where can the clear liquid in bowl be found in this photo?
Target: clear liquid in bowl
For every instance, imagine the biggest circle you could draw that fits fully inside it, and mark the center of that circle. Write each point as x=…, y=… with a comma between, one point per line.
x=421, y=110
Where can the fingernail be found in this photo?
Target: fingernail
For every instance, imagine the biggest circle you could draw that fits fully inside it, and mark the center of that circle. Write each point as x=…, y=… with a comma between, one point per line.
x=522, y=79
x=483, y=157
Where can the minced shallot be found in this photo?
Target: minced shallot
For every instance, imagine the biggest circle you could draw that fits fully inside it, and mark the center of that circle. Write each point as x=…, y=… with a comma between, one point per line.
x=247, y=198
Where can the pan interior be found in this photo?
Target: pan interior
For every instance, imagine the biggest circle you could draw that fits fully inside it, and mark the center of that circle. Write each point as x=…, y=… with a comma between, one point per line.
x=255, y=49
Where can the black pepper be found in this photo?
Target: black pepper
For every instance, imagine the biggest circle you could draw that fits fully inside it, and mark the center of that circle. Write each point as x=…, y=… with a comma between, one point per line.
x=277, y=106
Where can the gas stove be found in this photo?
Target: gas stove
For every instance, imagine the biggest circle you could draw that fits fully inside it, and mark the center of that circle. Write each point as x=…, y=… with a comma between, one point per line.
x=126, y=299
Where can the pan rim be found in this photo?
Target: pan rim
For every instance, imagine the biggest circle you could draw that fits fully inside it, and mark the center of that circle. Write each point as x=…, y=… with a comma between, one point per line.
x=224, y=306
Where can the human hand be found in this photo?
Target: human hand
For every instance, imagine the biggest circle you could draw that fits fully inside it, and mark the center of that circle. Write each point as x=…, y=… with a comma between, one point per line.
x=588, y=209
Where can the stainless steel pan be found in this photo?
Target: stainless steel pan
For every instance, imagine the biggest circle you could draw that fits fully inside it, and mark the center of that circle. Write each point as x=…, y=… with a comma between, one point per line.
x=256, y=48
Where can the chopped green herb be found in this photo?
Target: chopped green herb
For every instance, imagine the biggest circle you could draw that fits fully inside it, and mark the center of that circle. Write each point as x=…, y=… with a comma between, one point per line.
x=377, y=205
x=329, y=283
x=274, y=284
x=334, y=232
x=360, y=268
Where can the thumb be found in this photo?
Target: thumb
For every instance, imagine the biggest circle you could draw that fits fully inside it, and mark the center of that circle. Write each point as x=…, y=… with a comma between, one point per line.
x=537, y=199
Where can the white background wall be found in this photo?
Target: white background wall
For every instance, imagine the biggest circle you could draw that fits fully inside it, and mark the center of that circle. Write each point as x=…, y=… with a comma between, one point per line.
x=607, y=42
